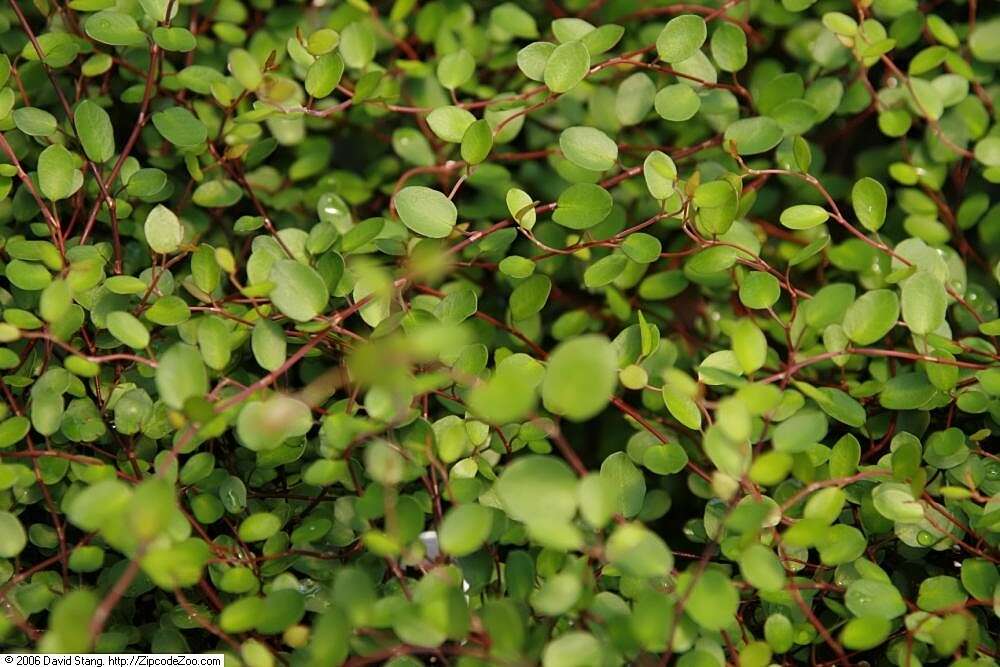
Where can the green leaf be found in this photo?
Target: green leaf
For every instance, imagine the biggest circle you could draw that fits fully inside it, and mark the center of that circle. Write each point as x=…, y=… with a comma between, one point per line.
x=842, y=544
x=324, y=75
x=907, y=391
x=152, y=507
x=602, y=39
x=761, y=568
x=35, y=122
x=582, y=206
x=872, y=316
x=980, y=577
x=180, y=127
x=174, y=39
x=982, y=41
x=299, y=291
x=164, y=232
x=677, y=102
x=217, y=194
x=825, y=505
x=69, y=621
x=125, y=285
x=729, y=47
x=168, y=311
x=588, y=148
x=477, y=142
x=642, y=248
x=779, y=632
x=58, y=174
x=93, y=127
x=869, y=200
x=566, y=66
x=465, y=528
x=241, y=615
x=514, y=20
x=55, y=49
x=940, y=593
x=245, y=69
x=268, y=344
x=749, y=345
x=457, y=306
x=667, y=459
x=529, y=297
x=573, y=649
x=845, y=456
x=896, y=502
x=28, y=276
x=840, y=406
x=639, y=552
x=531, y=60
x=660, y=173
x=804, y=216
x=147, y=183
x=800, y=432
x=426, y=211
x=840, y=23
x=557, y=595
x=96, y=504
x=156, y=9
x=924, y=302
x=635, y=98
x=114, y=28
x=866, y=632
x=516, y=266
x=131, y=410
x=605, y=270
x=581, y=375
x=759, y=290
x=681, y=406
x=718, y=205
x=924, y=98
x=521, y=208
x=679, y=392
x=450, y=123
x=412, y=146
x=283, y=608
x=987, y=151
x=214, y=342
x=180, y=375
x=455, y=69
x=538, y=488
x=681, y=37
x=510, y=394
x=266, y=425
x=357, y=43
x=712, y=600
x=567, y=29
x=624, y=484
x=12, y=430
x=128, y=329
x=258, y=527
x=13, y=539
x=878, y=599
x=802, y=154
x=754, y=135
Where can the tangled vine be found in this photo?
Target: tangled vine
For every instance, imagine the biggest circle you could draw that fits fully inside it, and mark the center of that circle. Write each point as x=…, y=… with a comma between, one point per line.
x=562, y=332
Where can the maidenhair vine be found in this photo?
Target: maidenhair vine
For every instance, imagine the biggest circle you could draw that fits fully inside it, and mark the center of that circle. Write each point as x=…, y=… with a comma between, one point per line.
x=577, y=333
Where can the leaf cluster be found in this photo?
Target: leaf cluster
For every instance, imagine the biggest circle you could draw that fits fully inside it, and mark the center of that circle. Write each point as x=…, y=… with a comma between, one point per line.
x=577, y=333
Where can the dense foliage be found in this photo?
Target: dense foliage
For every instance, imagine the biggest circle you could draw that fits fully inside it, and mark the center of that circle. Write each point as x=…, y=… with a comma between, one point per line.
x=575, y=332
